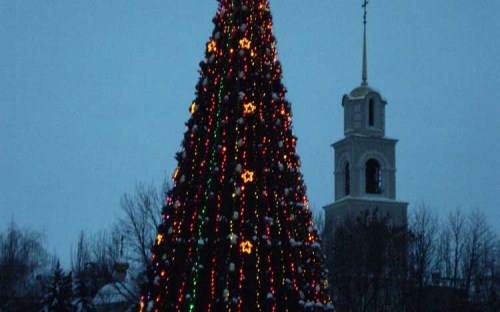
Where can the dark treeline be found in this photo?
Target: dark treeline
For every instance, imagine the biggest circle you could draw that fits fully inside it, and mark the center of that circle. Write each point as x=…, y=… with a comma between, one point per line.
x=107, y=268
x=451, y=264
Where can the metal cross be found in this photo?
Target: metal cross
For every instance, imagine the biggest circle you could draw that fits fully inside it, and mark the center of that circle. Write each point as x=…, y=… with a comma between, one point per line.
x=365, y=4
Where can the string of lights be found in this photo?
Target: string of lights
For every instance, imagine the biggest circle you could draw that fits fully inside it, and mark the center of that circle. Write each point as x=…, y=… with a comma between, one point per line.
x=237, y=232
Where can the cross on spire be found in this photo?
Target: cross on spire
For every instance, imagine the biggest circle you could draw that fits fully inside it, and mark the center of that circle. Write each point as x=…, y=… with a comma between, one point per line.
x=365, y=4
x=364, y=75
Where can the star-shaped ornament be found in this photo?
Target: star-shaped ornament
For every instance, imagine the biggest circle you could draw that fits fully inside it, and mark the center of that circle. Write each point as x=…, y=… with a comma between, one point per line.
x=212, y=47
x=247, y=176
x=159, y=239
x=192, y=108
x=248, y=108
x=246, y=247
x=245, y=43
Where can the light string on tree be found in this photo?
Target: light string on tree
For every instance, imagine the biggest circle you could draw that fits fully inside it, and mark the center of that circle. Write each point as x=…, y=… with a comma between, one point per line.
x=238, y=137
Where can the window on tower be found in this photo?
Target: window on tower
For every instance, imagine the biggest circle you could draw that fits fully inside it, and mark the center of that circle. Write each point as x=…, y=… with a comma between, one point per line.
x=347, y=180
x=371, y=113
x=373, y=177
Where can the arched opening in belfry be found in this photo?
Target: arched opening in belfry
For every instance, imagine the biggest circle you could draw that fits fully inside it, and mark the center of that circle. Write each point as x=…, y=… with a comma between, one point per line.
x=347, y=184
x=373, y=177
x=371, y=113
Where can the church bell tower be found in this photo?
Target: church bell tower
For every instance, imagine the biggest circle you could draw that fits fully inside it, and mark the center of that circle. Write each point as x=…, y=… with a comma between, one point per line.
x=365, y=159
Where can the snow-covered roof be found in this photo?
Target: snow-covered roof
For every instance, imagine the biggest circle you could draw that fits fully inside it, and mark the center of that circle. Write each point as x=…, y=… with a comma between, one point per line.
x=111, y=293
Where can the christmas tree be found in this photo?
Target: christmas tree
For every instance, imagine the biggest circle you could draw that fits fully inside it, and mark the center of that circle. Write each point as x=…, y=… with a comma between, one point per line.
x=237, y=232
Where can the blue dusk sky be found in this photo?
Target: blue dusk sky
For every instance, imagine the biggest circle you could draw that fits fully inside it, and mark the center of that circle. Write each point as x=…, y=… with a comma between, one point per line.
x=94, y=95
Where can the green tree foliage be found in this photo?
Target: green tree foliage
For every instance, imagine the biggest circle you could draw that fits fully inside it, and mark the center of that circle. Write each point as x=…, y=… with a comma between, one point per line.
x=236, y=227
x=59, y=293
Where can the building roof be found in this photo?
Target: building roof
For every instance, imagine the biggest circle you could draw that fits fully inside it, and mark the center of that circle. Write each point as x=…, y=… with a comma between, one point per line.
x=111, y=293
x=360, y=92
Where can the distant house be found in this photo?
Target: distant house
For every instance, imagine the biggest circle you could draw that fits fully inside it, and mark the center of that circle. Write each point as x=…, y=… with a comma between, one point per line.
x=113, y=297
x=116, y=296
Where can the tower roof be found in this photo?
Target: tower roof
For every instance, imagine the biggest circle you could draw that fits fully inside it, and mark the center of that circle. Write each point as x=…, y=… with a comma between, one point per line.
x=363, y=89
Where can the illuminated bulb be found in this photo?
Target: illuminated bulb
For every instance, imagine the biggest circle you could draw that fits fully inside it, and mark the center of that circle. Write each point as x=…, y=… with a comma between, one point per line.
x=233, y=238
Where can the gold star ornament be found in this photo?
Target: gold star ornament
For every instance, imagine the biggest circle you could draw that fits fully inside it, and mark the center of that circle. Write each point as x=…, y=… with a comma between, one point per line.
x=247, y=176
x=192, y=108
x=246, y=247
x=159, y=239
x=245, y=43
x=212, y=46
x=248, y=108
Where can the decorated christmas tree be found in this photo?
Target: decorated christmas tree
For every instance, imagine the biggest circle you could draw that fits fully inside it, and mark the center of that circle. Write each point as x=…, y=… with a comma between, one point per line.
x=237, y=232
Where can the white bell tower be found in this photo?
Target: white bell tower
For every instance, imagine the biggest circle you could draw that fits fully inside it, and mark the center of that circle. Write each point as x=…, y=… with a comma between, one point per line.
x=365, y=159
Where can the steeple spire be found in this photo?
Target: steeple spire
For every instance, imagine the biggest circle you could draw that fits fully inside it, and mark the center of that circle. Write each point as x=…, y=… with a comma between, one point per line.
x=364, y=75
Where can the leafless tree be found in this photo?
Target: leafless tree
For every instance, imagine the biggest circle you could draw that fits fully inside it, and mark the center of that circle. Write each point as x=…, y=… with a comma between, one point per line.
x=94, y=259
x=138, y=226
x=319, y=222
x=452, y=247
x=367, y=264
x=22, y=259
x=105, y=251
x=99, y=257
x=422, y=250
x=477, y=258
x=82, y=255
x=132, y=237
x=493, y=298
